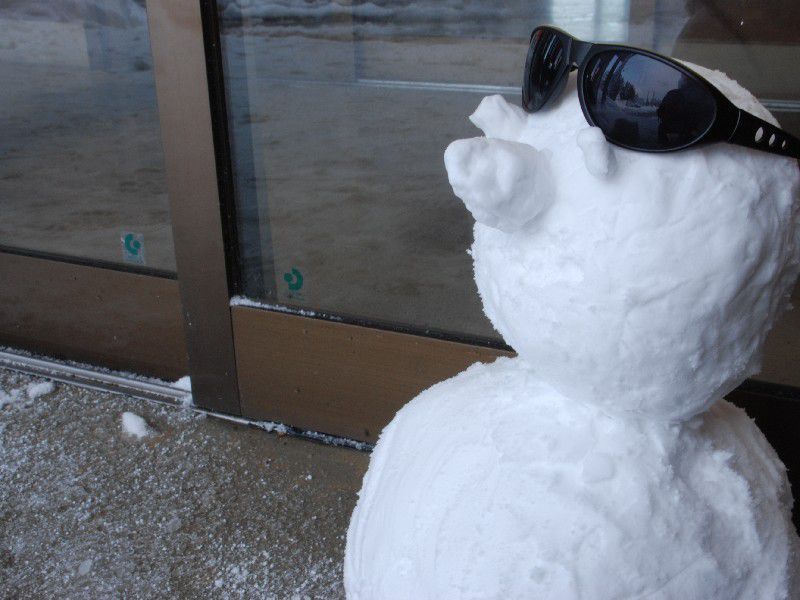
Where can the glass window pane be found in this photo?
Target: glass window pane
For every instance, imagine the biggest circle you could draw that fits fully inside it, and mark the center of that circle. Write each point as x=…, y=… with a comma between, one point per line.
x=340, y=113
x=81, y=165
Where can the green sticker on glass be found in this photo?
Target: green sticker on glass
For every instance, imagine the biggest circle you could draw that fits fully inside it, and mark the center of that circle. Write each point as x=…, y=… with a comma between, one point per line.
x=294, y=279
x=132, y=247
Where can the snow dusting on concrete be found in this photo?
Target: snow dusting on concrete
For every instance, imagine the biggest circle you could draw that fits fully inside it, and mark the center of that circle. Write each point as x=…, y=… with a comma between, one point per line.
x=26, y=393
x=200, y=508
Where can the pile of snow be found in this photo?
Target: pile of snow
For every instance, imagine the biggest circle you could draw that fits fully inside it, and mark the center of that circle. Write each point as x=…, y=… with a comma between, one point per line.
x=9, y=398
x=135, y=426
x=185, y=384
x=26, y=394
x=37, y=389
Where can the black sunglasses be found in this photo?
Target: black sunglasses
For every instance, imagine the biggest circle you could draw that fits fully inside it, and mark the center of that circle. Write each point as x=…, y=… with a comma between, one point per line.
x=642, y=100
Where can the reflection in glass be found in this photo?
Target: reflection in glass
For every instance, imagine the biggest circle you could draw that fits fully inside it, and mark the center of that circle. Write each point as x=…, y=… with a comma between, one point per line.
x=645, y=103
x=546, y=76
x=339, y=115
x=81, y=166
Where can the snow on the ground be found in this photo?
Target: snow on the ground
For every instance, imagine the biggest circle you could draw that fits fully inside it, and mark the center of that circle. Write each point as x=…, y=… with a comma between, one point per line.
x=35, y=390
x=26, y=393
x=204, y=509
x=185, y=384
x=9, y=397
x=135, y=426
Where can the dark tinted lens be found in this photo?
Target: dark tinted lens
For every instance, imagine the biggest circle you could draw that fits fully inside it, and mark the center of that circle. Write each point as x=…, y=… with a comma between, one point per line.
x=641, y=102
x=544, y=68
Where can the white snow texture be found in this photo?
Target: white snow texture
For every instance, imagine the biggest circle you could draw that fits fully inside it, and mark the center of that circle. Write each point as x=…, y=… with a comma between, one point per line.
x=601, y=463
x=649, y=282
x=135, y=426
x=492, y=485
x=31, y=392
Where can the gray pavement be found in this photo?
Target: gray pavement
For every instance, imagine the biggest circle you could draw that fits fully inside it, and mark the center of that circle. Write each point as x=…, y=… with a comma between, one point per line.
x=199, y=509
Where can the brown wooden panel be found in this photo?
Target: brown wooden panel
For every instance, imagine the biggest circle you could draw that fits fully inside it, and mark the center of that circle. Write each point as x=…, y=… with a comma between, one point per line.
x=115, y=319
x=334, y=377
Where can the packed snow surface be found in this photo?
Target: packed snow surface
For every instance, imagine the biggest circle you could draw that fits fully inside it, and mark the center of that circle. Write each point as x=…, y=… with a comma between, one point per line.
x=644, y=283
x=494, y=485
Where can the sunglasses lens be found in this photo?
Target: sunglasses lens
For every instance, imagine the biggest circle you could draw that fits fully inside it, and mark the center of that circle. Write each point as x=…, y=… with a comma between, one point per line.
x=544, y=69
x=646, y=104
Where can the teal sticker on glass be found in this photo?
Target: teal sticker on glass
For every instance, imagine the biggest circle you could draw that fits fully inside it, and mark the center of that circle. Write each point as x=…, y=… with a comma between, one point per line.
x=294, y=283
x=294, y=280
x=133, y=248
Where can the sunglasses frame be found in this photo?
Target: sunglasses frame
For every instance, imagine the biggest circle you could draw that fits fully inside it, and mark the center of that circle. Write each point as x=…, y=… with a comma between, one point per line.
x=731, y=124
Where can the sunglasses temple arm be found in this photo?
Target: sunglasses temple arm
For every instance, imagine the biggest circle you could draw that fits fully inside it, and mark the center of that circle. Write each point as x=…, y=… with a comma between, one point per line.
x=756, y=133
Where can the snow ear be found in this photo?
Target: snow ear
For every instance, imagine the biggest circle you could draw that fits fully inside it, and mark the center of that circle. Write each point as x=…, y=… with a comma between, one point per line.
x=598, y=153
x=505, y=185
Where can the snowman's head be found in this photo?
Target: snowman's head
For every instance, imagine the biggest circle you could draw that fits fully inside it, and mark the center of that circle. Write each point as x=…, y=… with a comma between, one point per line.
x=643, y=282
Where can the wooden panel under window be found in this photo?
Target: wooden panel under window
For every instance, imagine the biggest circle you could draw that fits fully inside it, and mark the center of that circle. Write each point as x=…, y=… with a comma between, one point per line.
x=105, y=317
x=782, y=353
x=350, y=380
x=333, y=377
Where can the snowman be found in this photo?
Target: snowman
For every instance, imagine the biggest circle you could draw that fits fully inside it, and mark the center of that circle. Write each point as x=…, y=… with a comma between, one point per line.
x=602, y=462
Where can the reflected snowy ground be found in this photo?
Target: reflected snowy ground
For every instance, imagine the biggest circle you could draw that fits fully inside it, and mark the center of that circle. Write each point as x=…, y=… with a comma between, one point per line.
x=80, y=153
x=340, y=117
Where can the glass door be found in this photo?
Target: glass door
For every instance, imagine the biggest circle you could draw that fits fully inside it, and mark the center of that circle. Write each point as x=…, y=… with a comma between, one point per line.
x=355, y=287
x=254, y=192
x=87, y=260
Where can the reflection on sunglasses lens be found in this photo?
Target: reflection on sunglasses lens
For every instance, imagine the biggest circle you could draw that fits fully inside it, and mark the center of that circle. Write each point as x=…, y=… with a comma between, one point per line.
x=543, y=68
x=644, y=103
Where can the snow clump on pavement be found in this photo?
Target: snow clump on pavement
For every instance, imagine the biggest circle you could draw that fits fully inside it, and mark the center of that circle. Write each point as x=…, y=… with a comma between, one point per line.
x=134, y=425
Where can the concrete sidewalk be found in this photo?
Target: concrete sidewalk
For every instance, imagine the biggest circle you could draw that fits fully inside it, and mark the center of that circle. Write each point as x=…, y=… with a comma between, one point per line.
x=199, y=509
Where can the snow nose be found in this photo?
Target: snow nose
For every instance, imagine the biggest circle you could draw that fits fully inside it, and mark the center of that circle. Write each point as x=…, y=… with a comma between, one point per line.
x=504, y=184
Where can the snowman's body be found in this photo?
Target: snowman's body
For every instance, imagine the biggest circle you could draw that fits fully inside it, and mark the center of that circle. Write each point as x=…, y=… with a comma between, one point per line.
x=637, y=290
x=492, y=485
